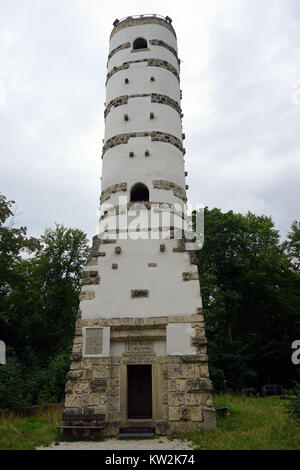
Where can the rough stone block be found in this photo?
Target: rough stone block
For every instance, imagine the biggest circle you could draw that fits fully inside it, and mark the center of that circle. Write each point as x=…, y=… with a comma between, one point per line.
x=68, y=387
x=174, y=371
x=88, y=281
x=86, y=295
x=188, y=370
x=184, y=414
x=174, y=413
x=138, y=293
x=190, y=276
x=101, y=374
x=199, y=385
x=195, y=358
x=76, y=356
x=162, y=427
x=209, y=418
x=74, y=374
x=192, y=399
x=176, y=399
x=196, y=414
x=199, y=341
x=172, y=386
x=98, y=385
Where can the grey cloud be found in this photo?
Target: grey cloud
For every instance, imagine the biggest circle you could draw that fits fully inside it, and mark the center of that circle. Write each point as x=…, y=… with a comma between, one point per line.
x=239, y=61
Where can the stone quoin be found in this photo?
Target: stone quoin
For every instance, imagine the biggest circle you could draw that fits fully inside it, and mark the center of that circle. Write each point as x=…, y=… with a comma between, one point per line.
x=139, y=353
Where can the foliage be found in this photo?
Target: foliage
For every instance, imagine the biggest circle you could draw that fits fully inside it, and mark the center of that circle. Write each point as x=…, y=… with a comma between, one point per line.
x=251, y=298
x=292, y=245
x=12, y=387
x=38, y=308
x=52, y=390
x=250, y=285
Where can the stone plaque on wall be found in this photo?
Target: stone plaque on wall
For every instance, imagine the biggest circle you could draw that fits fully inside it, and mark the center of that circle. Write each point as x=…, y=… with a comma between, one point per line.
x=139, y=352
x=93, y=341
x=140, y=347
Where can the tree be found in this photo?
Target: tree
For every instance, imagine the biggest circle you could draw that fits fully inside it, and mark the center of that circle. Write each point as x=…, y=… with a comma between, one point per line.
x=251, y=299
x=13, y=243
x=39, y=299
x=292, y=245
x=43, y=305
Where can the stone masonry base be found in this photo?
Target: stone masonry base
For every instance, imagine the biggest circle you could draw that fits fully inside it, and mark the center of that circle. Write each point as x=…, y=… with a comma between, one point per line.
x=96, y=391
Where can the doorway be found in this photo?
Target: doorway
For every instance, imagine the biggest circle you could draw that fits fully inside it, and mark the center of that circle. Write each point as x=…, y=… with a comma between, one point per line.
x=139, y=380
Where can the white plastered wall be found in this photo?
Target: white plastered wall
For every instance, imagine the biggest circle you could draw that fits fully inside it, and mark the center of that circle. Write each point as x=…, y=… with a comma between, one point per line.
x=165, y=82
x=179, y=339
x=165, y=162
x=166, y=119
x=168, y=293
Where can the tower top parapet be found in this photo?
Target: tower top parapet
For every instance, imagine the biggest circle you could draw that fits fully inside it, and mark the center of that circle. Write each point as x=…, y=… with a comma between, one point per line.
x=136, y=20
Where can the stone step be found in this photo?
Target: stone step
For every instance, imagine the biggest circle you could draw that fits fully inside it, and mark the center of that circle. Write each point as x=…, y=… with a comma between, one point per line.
x=137, y=429
x=136, y=435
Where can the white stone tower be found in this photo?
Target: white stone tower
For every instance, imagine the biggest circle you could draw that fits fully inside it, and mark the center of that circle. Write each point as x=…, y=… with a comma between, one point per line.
x=139, y=356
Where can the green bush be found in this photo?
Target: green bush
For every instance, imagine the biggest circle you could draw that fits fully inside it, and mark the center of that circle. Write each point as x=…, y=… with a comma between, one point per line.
x=53, y=389
x=12, y=393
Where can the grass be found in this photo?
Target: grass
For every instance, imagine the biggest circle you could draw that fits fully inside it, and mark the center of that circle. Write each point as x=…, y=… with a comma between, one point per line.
x=18, y=433
x=252, y=423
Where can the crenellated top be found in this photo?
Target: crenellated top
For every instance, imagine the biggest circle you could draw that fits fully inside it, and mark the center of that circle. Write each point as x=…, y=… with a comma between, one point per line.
x=137, y=20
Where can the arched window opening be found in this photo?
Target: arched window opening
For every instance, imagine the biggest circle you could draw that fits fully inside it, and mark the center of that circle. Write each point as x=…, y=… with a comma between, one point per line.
x=140, y=43
x=139, y=193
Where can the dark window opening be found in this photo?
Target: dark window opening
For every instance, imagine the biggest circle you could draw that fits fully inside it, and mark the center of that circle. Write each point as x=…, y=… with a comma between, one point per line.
x=139, y=43
x=139, y=193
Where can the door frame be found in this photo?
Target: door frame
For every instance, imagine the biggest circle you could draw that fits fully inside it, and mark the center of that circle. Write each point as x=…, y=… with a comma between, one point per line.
x=156, y=391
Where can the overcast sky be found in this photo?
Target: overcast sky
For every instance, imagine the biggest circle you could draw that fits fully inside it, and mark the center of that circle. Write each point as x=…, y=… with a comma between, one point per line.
x=240, y=78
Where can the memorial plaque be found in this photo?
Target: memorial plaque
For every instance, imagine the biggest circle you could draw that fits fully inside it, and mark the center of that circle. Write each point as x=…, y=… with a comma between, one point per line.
x=140, y=347
x=93, y=341
x=139, y=352
x=138, y=358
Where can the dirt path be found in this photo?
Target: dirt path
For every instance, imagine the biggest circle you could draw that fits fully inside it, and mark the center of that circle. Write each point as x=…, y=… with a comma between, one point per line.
x=162, y=443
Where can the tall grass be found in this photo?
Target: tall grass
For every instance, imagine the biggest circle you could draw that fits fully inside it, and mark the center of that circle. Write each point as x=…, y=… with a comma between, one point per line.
x=251, y=424
x=18, y=433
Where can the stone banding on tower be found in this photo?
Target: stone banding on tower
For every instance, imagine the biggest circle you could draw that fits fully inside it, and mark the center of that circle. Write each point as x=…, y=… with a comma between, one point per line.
x=151, y=62
x=155, y=98
x=139, y=352
x=153, y=42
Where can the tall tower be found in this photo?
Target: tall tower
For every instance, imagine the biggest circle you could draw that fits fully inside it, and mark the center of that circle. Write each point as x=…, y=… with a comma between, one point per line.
x=139, y=356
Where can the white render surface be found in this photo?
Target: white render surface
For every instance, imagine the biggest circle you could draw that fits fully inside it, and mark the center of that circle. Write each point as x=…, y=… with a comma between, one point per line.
x=179, y=339
x=166, y=119
x=168, y=293
x=165, y=162
x=165, y=82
